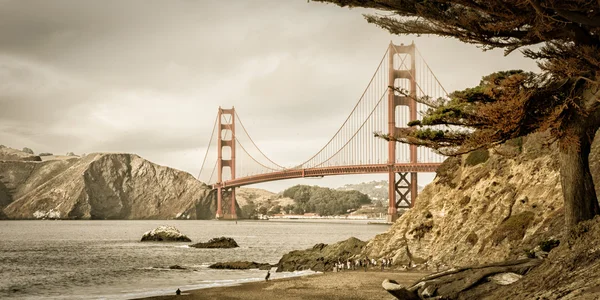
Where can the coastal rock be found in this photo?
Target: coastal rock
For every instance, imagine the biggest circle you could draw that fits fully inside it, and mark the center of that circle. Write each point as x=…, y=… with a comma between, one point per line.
x=482, y=208
x=321, y=257
x=165, y=234
x=101, y=186
x=220, y=242
x=176, y=267
x=240, y=265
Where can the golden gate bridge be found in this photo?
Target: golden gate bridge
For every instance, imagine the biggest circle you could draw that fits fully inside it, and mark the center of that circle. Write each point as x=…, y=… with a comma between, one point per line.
x=233, y=159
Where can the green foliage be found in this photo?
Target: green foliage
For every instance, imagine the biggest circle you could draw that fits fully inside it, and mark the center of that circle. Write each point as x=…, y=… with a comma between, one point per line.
x=263, y=210
x=429, y=134
x=249, y=210
x=513, y=228
x=549, y=244
x=472, y=238
x=27, y=150
x=414, y=123
x=324, y=201
x=477, y=157
x=529, y=253
x=423, y=228
x=516, y=142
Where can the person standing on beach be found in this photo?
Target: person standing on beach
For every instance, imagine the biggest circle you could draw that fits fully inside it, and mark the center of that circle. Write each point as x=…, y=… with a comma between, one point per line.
x=268, y=275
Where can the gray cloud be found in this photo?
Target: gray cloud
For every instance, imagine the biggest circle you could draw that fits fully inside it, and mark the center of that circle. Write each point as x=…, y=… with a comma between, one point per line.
x=148, y=76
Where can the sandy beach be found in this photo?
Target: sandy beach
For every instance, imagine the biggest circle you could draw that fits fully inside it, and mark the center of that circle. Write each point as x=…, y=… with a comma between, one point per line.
x=341, y=285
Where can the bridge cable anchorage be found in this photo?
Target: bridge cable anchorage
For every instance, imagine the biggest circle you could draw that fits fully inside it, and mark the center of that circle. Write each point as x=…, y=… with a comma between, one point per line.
x=357, y=131
x=349, y=116
x=254, y=144
x=208, y=147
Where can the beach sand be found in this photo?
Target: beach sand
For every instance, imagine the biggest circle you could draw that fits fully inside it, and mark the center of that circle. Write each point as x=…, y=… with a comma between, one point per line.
x=341, y=285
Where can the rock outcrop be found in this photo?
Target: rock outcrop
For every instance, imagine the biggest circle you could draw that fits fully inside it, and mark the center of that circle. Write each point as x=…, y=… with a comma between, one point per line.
x=220, y=242
x=7, y=153
x=321, y=257
x=240, y=265
x=165, y=234
x=483, y=207
x=101, y=186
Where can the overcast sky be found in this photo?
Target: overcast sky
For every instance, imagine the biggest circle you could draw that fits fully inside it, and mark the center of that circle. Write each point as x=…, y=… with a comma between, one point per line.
x=147, y=77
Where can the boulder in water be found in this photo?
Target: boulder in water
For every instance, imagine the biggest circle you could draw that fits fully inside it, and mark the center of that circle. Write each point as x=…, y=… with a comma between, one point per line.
x=220, y=242
x=165, y=234
x=176, y=267
x=240, y=265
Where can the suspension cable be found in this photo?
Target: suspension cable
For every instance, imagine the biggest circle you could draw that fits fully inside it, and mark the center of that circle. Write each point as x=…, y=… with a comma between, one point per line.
x=357, y=131
x=348, y=118
x=208, y=147
x=426, y=64
x=244, y=149
x=251, y=140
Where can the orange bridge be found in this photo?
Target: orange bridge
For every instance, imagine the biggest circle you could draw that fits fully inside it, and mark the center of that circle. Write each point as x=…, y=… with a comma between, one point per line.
x=352, y=150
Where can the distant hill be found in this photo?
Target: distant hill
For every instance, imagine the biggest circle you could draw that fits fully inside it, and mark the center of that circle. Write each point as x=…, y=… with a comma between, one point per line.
x=260, y=197
x=376, y=190
x=98, y=186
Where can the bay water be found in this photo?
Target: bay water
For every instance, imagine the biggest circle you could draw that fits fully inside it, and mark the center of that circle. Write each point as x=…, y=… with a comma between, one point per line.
x=106, y=260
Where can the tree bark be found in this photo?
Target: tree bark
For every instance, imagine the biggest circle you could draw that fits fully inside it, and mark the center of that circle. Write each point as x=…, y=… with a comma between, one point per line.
x=580, y=200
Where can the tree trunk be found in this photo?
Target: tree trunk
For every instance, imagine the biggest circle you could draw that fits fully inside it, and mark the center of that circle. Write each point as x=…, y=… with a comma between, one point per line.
x=578, y=190
x=581, y=202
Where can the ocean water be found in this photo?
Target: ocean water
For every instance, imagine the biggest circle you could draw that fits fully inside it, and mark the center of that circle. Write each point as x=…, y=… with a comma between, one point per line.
x=105, y=259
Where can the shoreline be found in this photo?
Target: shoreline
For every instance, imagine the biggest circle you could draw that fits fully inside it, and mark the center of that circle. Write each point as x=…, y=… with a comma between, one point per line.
x=330, y=285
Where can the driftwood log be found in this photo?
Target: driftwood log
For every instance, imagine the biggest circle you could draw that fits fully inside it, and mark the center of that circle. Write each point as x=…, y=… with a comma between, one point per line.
x=451, y=283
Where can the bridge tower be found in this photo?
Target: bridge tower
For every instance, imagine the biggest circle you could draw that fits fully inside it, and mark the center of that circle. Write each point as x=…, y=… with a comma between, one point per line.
x=403, y=186
x=226, y=128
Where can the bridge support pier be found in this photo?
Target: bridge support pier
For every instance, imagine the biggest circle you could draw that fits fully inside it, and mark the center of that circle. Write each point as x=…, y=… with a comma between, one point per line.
x=219, y=203
x=405, y=190
x=226, y=129
x=403, y=187
x=231, y=214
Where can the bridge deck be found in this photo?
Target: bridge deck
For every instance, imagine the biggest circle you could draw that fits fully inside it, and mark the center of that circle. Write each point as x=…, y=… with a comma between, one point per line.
x=329, y=171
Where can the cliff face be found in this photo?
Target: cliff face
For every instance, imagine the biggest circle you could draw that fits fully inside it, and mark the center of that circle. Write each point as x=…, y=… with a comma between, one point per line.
x=101, y=186
x=483, y=207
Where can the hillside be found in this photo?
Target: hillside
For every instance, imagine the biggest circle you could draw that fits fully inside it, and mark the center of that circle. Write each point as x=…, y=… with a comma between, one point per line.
x=482, y=207
x=7, y=153
x=260, y=197
x=376, y=190
x=100, y=186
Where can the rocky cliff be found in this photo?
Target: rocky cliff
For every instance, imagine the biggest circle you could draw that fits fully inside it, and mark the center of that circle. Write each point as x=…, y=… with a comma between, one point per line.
x=101, y=186
x=7, y=153
x=483, y=207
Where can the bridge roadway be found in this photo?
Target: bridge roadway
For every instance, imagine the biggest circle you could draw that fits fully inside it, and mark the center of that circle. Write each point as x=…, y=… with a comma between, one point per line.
x=329, y=171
